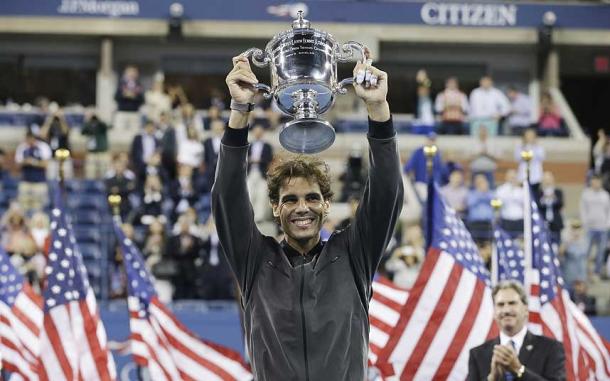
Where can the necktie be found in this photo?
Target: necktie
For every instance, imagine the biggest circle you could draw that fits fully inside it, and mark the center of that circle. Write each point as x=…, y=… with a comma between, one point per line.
x=508, y=376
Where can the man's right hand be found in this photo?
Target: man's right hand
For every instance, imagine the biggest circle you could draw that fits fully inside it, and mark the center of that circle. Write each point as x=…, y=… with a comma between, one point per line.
x=241, y=80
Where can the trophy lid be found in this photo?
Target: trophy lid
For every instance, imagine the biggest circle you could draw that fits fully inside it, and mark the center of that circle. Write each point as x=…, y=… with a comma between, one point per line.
x=300, y=22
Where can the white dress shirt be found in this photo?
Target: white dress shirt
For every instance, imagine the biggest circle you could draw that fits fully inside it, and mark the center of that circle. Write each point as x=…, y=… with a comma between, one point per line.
x=517, y=339
x=488, y=103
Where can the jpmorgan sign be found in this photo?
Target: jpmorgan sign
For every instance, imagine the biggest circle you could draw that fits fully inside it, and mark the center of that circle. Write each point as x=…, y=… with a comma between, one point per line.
x=99, y=8
x=469, y=14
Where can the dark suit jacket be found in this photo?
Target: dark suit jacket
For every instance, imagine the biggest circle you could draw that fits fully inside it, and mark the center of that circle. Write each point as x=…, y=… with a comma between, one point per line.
x=544, y=359
x=136, y=155
x=265, y=160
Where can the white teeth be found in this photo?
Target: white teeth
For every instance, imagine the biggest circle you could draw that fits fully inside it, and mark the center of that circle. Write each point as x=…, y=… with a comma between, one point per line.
x=303, y=222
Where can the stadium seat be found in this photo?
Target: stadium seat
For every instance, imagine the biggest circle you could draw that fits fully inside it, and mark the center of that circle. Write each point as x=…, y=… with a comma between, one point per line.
x=87, y=201
x=90, y=251
x=86, y=217
x=88, y=235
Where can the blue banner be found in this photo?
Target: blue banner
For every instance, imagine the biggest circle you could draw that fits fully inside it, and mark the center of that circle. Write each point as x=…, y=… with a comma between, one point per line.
x=436, y=13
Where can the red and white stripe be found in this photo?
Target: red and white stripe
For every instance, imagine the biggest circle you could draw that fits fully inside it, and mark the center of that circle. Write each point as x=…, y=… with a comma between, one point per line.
x=19, y=331
x=171, y=352
x=449, y=311
x=73, y=344
x=384, y=313
x=587, y=353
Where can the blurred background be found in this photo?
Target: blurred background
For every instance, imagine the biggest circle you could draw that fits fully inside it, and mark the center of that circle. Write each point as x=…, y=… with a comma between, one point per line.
x=135, y=89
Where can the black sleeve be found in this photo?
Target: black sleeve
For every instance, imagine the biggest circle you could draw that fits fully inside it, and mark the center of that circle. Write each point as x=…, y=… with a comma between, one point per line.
x=238, y=235
x=473, y=370
x=380, y=203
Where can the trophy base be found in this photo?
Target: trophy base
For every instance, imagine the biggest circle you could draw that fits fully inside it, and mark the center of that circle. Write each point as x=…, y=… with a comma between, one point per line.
x=307, y=135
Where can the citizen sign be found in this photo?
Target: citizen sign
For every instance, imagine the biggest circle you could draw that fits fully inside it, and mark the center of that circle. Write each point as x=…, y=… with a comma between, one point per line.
x=468, y=14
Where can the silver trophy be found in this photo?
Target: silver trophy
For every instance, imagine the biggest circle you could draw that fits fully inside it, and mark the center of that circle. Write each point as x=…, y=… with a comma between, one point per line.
x=303, y=64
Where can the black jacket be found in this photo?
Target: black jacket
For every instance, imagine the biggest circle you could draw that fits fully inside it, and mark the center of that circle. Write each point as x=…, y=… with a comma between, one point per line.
x=308, y=321
x=544, y=359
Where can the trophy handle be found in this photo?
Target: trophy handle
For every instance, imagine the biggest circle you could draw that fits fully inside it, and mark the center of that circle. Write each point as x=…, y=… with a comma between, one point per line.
x=268, y=93
x=341, y=85
x=258, y=57
x=346, y=52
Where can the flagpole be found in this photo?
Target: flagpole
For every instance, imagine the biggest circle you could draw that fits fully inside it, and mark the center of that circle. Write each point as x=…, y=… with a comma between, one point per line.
x=430, y=152
x=114, y=200
x=527, y=155
x=496, y=204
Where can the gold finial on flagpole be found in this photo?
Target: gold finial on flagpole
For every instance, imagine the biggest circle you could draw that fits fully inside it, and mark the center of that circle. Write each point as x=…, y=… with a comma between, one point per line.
x=61, y=155
x=430, y=152
x=115, y=203
x=527, y=156
x=496, y=204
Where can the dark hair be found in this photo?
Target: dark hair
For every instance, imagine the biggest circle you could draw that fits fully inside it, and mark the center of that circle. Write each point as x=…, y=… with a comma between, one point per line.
x=510, y=285
x=299, y=166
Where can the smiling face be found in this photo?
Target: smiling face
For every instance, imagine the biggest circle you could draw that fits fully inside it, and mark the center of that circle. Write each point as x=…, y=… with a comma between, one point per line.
x=301, y=211
x=509, y=311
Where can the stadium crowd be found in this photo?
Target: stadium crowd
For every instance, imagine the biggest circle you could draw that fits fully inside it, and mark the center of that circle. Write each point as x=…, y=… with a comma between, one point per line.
x=166, y=177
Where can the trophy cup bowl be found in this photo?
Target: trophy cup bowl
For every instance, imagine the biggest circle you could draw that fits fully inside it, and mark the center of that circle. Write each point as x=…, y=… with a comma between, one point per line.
x=303, y=63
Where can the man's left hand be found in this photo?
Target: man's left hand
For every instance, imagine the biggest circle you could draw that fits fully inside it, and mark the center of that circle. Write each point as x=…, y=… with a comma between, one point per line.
x=507, y=358
x=371, y=84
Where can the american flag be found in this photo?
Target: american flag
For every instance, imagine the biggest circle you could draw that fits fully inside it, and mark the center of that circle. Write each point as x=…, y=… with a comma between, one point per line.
x=20, y=322
x=73, y=339
x=384, y=312
x=449, y=309
x=510, y=256
x=160, y=342
x=552, y=312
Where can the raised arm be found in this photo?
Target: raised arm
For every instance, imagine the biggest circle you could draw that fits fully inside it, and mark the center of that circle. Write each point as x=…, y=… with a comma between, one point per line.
x=382, y=198
x=230, y=202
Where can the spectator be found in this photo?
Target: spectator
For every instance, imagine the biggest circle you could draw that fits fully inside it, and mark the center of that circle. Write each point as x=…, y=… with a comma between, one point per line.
x=56, y=133
x=183, y=192
x=214, y=113
x=580, y=296
x=353, y=203
x=529, y=142
x=405, y=262
x=143, y=147
x=595, y=216
x=154, y=242
x=599, y=151
x=184, y=248
x=480, y=212
x=605, y=169
x=452, y=105
x=33, y=156
x=217, y=99
x=4, y=173
x=98, y=158
x=39, y=226
x=17, y=239
x=169, y=147
x=484, y=160
x=151, y=206
x=456, y=193
x=487, y=106
x=190, y=150
x=177, y=96
x=551, y=206
x=121, y=181
x=573, y=253
x=157, y=102
x=215, y=278
x=511, y=195
x=424, y=113
x=550, y=122
x=520, y=116
x=416, y=166
x=211, y=148
x=189, y=117
x=129, y=97
x=354, y=176
x=260, y=155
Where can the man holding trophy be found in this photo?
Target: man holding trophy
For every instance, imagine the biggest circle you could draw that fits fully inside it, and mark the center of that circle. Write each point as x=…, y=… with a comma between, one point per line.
x=306, y=301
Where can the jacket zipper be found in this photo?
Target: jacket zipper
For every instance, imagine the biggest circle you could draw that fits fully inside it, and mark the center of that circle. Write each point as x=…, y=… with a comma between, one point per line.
x=303, y=322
